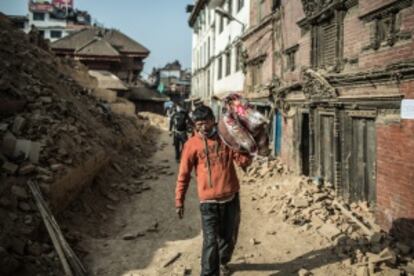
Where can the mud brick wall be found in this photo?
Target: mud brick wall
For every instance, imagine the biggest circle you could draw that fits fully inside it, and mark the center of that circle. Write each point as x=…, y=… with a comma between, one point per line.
x=395, y=172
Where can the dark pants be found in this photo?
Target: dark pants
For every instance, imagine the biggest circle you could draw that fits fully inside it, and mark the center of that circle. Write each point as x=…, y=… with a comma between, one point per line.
x=179, y=140
x=220, y=224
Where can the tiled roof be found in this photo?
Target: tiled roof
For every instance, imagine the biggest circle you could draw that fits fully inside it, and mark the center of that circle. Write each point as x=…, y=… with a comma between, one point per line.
x=119, y=41
x=98, y=47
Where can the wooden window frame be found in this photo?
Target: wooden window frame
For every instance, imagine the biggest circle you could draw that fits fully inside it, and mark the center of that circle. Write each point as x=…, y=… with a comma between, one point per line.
x=228, y=62
x=239, y=50
x=220, y=68
x=319, y=29
x=39, y=16
x=291, y=57
x=53, y=34
x=240, y=5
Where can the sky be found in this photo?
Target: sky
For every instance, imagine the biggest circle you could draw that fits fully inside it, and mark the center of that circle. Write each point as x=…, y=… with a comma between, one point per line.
x=159, y=25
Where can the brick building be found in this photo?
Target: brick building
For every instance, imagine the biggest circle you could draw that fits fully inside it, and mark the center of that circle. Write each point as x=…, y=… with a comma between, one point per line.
x=337, y=71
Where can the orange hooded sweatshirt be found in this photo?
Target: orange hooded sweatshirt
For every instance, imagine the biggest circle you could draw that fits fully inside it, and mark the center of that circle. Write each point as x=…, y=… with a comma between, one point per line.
x=223, y=178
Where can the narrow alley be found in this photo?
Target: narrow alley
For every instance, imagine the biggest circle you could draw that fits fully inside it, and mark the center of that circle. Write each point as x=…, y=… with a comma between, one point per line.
x=140, y=234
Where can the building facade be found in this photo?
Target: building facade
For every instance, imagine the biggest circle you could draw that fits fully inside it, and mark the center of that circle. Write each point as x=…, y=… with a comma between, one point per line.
x=55, y=19
x=216, y=66
x=336, y=72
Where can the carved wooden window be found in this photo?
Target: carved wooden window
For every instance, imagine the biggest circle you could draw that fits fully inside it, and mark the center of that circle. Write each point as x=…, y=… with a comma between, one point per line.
x=384, y=31
x=325, y=43
x=385, y=25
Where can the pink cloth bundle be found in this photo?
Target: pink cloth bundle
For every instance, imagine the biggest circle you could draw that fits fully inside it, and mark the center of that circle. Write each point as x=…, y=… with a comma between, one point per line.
x=243, y=128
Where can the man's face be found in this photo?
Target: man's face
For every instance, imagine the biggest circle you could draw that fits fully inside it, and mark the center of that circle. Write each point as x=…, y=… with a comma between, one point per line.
x=204, y=127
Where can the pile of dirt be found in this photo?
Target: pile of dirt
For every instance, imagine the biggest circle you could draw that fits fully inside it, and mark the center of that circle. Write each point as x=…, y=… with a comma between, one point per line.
x=49, y=124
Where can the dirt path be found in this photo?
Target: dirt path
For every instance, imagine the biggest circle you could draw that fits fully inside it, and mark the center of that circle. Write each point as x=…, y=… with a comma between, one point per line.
x=142, y=233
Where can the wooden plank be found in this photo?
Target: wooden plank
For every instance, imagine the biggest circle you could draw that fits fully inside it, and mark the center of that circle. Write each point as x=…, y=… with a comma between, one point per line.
x=73, y=260
x=371, y=160
x=346, y=156
x=347, y=213
x=353, y=164
x=360, y=166
x=331, y=145
x=172, y=259
x=317, y=143
x=328, y=150
x=50, y=230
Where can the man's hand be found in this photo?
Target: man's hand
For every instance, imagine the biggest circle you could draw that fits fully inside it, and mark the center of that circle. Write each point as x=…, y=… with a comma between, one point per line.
x=170, y=133
x=180, y=212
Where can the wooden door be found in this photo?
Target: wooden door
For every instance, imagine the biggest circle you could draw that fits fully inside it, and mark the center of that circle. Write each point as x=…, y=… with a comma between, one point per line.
x=325, y=142
x=360, y=159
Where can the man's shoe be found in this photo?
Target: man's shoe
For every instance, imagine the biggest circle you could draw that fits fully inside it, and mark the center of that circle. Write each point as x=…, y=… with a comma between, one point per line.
x=224, y=270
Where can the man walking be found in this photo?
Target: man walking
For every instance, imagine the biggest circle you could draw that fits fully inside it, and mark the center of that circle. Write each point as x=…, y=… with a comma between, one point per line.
x=218, y=190
x=179, y=125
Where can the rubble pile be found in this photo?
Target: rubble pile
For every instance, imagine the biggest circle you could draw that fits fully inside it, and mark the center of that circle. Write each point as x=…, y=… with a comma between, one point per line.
x=313, y=206
x=264, y=168
x=49, y=124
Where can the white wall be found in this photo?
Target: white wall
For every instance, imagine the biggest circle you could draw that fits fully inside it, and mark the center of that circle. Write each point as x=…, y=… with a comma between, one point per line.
x=48, y=22
x=230, y=37
x=201, y=68
x=205, y=68
x=48, y=25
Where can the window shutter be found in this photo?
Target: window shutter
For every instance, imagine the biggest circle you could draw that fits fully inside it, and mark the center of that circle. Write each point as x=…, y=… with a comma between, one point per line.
x=329, y=38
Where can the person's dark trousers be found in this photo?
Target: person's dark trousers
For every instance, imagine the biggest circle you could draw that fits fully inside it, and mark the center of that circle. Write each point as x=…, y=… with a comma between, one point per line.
x=179, y=140
x=220, y=223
